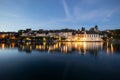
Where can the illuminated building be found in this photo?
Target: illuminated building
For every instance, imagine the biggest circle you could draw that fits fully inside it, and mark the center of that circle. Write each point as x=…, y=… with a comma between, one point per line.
x=87, y=36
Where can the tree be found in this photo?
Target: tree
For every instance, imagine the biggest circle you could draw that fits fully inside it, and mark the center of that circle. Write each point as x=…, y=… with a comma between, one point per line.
x=20, y=32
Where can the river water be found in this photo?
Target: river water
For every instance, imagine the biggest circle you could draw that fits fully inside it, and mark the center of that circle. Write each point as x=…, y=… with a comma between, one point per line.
x=60, y=61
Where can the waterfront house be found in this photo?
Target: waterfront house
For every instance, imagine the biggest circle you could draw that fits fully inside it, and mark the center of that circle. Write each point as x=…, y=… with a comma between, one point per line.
x=88, y=36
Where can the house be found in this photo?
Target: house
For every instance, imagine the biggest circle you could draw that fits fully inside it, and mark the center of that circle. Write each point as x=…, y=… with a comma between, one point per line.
x=87, y=36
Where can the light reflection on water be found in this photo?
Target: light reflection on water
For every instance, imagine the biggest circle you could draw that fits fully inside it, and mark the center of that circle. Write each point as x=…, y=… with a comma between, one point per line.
x=49, y=61
x=62, y=47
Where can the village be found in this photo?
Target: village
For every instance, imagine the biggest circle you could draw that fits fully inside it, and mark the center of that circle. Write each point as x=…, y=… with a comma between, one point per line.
x=29, y=35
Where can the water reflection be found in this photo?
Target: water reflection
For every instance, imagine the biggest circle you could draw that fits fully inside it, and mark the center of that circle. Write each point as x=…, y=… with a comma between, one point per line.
x=3, y=46
x=110, y=48
x=64, y=47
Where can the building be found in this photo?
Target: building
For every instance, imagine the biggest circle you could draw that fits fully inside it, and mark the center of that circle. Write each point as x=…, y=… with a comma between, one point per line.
x=87, y=36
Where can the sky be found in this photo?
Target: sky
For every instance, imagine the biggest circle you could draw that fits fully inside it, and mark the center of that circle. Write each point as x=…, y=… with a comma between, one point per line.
x=59, y=14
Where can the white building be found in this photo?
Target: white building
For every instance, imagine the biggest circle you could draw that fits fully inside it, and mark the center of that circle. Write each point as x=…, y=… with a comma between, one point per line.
x=40, y=35
x=87, y=36
x=65, y=34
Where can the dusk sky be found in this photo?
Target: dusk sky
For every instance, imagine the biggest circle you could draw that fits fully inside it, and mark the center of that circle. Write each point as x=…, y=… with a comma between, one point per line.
x=59, y=14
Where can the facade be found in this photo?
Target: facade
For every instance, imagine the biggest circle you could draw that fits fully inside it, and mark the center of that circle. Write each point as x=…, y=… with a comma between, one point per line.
x=40, y=35
x=68, y=35
x=58, y=35
x=65, y=34
x=88, y=36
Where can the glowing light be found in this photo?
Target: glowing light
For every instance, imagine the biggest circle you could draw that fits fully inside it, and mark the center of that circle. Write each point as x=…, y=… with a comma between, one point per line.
x=76, y=45
x=27, y=43
x=76, y=39
x=3, y=46
x=12, y=37
x=37, y=46
x=50, y=49
x=59, y=44
x=59, y=39
x=79, y=48
x=84, y=38
x=28, y=39
x=65, y=49
x=30, y=47
x=84, y=47
x=44, y=43
x=112, y=49
x=108, y=50
x=40, y=47
x=44, y=39
x=3, y=36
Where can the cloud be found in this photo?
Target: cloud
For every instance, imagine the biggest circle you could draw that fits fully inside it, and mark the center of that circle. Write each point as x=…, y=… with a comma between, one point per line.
x=13, y=15
x=85, y=14
x=96, y=11
x=111, y=12
x=66, y=9
x=93, y=14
